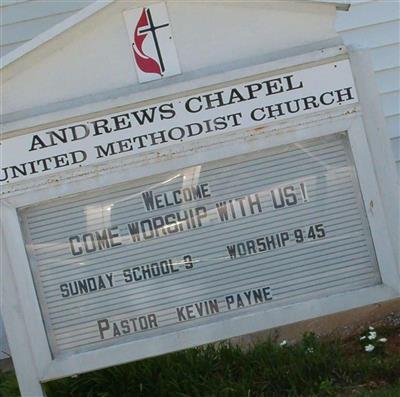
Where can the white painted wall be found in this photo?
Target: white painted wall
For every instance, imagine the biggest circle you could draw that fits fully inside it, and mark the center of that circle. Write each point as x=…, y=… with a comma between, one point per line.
x=92, y=58
x=22, y=20
x=374, y=25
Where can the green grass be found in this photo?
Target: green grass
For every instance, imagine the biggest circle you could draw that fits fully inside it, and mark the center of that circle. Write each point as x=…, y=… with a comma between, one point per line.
x=312, y=367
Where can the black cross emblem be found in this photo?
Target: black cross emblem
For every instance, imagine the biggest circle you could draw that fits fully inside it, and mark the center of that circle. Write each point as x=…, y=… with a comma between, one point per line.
x=152, y=28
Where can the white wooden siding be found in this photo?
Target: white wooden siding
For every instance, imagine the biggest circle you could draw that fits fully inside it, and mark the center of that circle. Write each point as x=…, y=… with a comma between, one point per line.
x=23, y=20
x=375, y=25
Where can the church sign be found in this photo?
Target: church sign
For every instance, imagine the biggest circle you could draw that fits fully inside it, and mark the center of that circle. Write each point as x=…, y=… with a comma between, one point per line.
x=250, y=204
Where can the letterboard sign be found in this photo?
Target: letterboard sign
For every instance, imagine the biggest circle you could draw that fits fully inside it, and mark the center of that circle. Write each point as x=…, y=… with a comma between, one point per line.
x=199, y=245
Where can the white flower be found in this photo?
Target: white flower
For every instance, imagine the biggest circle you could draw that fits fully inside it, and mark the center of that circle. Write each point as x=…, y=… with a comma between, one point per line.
x=310, y=350
x=372, y=335
x=283, y=343
x=383, y=340
x=371, y=328
x=369, y=348
x=363, y=337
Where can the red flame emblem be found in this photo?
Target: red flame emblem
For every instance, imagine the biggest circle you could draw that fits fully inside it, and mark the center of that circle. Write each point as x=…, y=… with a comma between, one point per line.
x=144, y=62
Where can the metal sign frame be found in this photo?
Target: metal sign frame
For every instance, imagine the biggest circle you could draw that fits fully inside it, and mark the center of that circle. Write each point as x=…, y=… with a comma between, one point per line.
x=26, y=332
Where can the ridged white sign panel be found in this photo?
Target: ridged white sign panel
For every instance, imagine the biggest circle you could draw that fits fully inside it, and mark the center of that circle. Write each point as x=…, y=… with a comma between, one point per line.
x=200, y=245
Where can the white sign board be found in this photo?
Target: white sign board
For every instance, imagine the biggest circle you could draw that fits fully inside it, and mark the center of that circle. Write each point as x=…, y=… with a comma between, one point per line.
x=151, y=42
x=160, y=125
x=199, y=245
x=204, y=243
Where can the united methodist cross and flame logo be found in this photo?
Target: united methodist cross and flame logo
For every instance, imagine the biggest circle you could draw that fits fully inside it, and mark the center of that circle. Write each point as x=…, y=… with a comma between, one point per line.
x=145, y=30
x=151, y=42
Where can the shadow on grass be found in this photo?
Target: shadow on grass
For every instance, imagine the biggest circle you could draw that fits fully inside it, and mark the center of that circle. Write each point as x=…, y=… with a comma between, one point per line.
x=312, y=367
